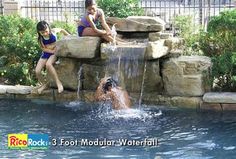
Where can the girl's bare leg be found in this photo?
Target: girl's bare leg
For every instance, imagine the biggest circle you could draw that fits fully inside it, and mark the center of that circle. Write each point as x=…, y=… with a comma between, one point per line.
x=53, y=73
x=117, y=40
x=90, y=32
x=41, y=63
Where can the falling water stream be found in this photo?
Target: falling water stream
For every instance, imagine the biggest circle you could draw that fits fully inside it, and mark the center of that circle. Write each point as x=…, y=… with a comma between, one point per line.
x=142, y=85
x=119, y=57
x=125, y=64
x=79, y=81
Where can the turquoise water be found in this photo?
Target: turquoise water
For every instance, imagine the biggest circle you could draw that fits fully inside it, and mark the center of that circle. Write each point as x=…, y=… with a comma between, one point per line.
x=180, y=133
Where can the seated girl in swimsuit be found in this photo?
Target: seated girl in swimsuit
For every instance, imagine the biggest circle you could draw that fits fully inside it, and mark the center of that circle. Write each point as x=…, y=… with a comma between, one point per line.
x=47, y=41
x=87, y=24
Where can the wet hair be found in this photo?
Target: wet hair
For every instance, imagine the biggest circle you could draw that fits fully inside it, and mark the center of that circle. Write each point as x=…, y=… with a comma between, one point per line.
x=42, y=26
x=109, y=83
x=89, y=3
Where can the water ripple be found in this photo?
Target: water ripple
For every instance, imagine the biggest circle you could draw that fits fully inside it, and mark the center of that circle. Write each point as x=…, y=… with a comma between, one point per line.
x=181, y=133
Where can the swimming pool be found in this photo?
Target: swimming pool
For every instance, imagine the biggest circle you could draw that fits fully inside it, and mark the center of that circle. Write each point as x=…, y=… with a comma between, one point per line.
x=180, y=133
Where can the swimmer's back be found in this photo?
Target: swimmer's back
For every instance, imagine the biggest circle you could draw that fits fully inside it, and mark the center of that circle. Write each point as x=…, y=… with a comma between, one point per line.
x=120, y=98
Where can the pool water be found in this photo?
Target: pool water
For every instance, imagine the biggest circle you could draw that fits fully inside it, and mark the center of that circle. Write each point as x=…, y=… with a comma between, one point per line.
x=180, y=133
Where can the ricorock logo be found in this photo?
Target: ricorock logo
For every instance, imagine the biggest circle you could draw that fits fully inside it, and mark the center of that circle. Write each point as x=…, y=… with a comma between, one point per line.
x=38, y=141
x=28, y=141
x=17, y=141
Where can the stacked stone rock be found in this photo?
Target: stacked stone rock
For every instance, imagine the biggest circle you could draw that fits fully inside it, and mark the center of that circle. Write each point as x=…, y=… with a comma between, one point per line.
x=179, y=80
x=170, y=78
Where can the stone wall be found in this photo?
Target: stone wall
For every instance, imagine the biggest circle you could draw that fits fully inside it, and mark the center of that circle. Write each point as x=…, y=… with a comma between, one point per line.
x=155, y=60
x=186, y=75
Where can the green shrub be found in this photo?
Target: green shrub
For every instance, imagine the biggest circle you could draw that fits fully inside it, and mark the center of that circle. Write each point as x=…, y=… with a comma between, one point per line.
x=226, y=21
x=19, y=48
x=219, y=43
x=120, y=8
x=19, y=73
x=221, y=34
x=188, y=30
x=224, y=71
x=71, y=28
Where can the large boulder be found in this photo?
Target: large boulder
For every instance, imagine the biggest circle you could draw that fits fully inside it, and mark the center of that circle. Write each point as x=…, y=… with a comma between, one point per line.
x=154, y=36
x=152, y=78
x=156, y=99
x=147, y=20
x=222, y=97
x=135, y=25
x=67, y=71
x=211, y=106
x=17, y=89
x=78, y=47
x=156, y=50
x=176, y=101
x=174, y=43
x=186, y=75
x=186, y=102
x=92, y=75
x=3, y=89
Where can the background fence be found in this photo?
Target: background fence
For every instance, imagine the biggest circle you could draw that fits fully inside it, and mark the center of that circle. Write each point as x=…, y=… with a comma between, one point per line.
x=51, y=10
x=69, y=10
x=200, y=10
x=1, y=7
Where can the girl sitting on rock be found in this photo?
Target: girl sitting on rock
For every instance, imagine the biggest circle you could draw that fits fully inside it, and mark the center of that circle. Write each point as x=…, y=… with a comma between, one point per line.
x=87, y=24
x=47, y=41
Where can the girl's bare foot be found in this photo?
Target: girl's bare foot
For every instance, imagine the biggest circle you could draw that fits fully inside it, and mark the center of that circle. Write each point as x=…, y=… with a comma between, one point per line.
x=60, y=88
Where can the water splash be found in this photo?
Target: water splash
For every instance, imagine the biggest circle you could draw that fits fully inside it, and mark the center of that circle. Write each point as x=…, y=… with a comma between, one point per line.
x=114, y=33
x=104, y=108
x=105, y=112
x=80, y=106
x=74, y=105
x=112, y=45
x=229, y=148
x=79, y=81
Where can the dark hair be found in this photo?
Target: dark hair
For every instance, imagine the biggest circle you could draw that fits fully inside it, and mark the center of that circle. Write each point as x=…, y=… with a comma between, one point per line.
x=109, y=83
x=89, y=3
x=41, y=26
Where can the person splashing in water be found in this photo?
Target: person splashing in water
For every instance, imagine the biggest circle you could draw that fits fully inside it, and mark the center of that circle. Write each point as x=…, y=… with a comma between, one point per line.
x=108, y=90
